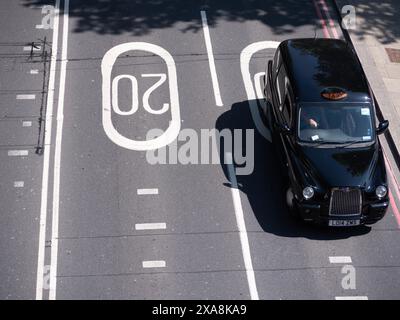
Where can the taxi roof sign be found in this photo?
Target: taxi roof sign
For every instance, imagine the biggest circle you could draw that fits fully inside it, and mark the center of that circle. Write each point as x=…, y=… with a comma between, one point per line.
x=333, y=93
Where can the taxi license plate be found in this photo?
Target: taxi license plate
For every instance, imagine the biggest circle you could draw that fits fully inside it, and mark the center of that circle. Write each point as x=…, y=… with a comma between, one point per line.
x=344, y=223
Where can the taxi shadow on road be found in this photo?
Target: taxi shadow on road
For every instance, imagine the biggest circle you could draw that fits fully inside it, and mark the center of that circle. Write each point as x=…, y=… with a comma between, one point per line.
x=265, y=186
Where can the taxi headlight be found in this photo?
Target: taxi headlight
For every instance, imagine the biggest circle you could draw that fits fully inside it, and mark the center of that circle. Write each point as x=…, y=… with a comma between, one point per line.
x=308, y=193
x=381, y=191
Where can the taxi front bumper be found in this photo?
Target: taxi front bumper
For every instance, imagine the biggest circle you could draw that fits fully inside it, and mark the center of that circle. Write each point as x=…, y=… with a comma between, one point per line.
x=319, y=212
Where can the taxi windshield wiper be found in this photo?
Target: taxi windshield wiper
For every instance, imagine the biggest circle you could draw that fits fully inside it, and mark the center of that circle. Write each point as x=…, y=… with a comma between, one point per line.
x=320, y=142
x=345, y=144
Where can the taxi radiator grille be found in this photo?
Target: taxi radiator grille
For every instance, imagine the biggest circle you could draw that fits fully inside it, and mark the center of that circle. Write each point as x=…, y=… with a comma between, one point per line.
x=345, y=202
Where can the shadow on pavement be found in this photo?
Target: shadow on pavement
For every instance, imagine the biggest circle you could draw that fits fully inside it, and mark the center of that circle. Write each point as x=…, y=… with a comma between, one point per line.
x=379, y=19
x=140, y=17
x=265, y=186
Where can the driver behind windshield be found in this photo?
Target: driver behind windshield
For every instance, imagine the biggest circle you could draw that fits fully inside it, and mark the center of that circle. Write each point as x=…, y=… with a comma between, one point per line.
x=312, y=118
x=335, y=124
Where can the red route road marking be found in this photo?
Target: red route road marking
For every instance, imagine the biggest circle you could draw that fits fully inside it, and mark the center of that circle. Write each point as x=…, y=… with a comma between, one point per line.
x=396, y=188
x=396, y=211
x=322, y=21
x=331, y=24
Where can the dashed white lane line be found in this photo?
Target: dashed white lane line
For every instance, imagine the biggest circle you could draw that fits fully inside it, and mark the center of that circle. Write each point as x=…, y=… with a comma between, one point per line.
x=154, y=264
x=27, y=123
x=352, y=298
x=26, y=97
x=18, y=184
x=150, y=226
x=34, y=71
x=147, y=191
x=32, y=48
x=46, y=156
x=343, y=259
x=211, y=62
x=18, y=153
x=244, y=241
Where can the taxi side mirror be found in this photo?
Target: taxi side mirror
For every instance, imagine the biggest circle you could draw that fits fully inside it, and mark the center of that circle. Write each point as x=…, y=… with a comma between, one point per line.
x=382, y=127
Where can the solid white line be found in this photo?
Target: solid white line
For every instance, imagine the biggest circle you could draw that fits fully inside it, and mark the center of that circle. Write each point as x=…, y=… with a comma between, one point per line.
x=39, y=26
x=352, y=298
x=57, y=156
x=26, y=97
x=244, y=241
x=34, y=71
x=154, y=264
x=26, y=123
x=46, y=156
x=17, y=153
x=211, y=61
x=150, y=226
x=147, y=191
x=345, y=259
x=18, y=184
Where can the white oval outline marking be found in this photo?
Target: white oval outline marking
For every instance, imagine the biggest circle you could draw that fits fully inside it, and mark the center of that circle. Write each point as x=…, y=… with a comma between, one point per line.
x=259, y=89
x=245, y=57
x=135, y=98
x=175, y=124
x=257, y=84
x=146, y=95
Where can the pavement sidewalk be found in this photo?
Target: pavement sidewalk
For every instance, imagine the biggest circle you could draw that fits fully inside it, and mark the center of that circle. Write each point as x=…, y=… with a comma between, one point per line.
x=376, y=38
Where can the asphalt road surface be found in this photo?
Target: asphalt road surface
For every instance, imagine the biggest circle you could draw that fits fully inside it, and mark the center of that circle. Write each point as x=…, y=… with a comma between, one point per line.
x=86, y=214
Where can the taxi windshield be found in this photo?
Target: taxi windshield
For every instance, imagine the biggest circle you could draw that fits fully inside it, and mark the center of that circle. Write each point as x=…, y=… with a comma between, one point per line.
x=335, y=123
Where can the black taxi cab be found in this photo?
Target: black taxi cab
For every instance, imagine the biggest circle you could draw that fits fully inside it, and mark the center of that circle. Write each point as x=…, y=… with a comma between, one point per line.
x=322, y=116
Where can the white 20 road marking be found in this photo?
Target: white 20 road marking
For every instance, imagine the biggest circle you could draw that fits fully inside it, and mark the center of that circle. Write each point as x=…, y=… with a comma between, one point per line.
x=254, y=93
x=111, y=103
